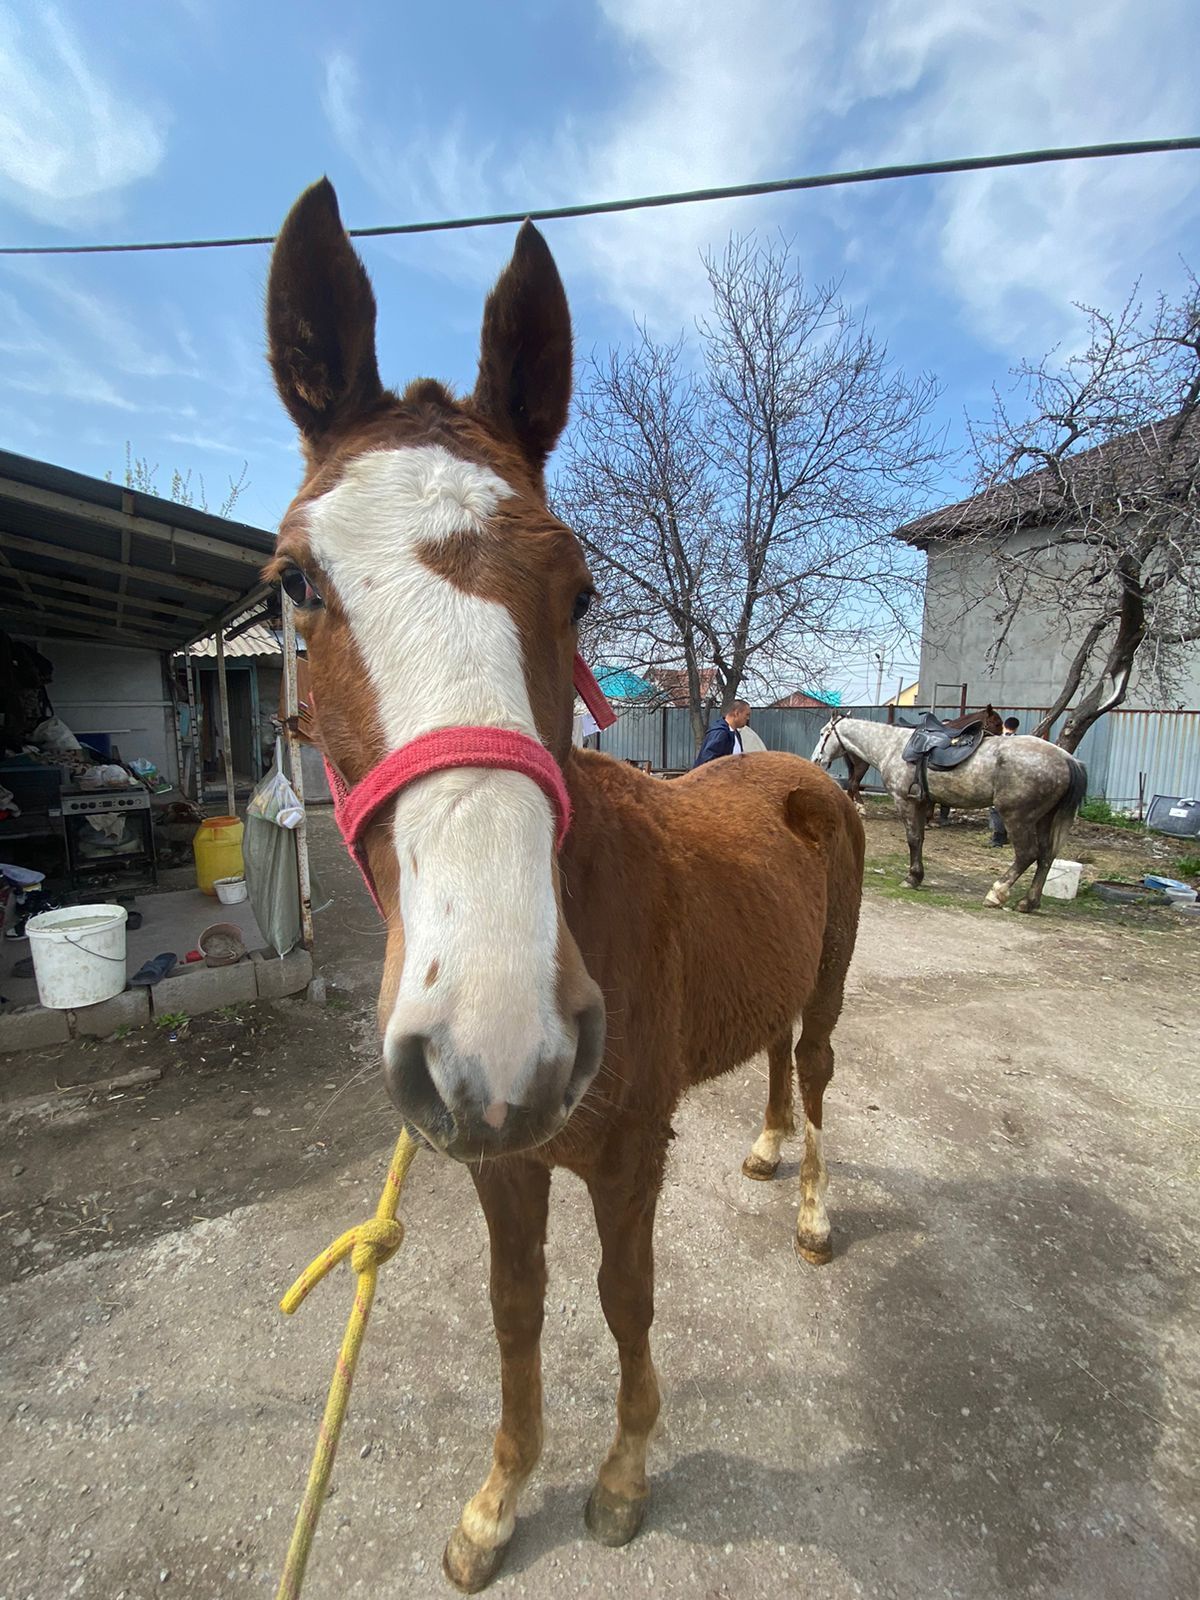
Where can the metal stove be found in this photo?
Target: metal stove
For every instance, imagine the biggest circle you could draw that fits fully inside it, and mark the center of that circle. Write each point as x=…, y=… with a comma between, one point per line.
x=131, y=858
x=77, y=802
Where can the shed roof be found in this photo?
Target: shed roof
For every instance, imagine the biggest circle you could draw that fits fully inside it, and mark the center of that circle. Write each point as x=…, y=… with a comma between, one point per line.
x=82, y=558
x=1163, y=456
x=259, y=639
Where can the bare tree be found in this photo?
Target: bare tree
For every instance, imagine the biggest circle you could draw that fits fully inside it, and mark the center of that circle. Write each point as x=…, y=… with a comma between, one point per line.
x=738, y=497
x=1089, y=504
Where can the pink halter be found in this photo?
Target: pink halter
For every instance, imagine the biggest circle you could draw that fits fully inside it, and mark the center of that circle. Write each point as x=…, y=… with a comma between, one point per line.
x=443, y=749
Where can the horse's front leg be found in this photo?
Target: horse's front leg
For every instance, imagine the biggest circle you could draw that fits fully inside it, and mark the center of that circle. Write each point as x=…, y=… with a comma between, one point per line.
x=515, y=1197
x=913, y=813
x=624, y=1202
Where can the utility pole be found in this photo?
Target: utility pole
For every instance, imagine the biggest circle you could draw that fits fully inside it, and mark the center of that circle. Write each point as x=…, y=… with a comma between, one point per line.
x=879, y=678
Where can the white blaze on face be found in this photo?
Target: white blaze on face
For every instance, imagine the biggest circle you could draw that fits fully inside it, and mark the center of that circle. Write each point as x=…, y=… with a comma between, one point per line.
x=478, y=908
x=820, y=755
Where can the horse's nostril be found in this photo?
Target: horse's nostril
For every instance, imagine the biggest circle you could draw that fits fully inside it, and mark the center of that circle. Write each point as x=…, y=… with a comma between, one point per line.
x=590, y=1047
x=413, y=1090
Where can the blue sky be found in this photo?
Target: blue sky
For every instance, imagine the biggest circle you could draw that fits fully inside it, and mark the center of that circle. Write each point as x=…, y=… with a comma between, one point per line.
x=141, y=119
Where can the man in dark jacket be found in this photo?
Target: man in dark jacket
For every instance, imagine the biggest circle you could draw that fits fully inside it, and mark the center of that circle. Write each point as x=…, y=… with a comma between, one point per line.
x=724, y=738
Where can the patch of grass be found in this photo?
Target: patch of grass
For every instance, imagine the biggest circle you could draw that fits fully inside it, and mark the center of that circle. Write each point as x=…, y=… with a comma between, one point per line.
x=123, y=1031
x=230, y=1013
x=893, y=890
x=1100, y=811
x=1187, y=867
x=172, y=1019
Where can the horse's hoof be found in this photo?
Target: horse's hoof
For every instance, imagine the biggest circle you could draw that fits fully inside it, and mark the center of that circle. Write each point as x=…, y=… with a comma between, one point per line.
x=1028, y=905
x=468, y=1565
x=913, y=883
x=817, y=1252
x=612, y=1520
x=993, y=900
x=755, y=1167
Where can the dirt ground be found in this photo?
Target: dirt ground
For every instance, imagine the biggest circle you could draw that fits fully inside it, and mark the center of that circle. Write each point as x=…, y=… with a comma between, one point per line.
x=994, y=1390
x=961, y=865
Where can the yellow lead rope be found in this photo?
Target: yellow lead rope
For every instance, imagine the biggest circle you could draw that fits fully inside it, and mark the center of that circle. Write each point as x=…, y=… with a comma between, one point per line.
x=368, y=1246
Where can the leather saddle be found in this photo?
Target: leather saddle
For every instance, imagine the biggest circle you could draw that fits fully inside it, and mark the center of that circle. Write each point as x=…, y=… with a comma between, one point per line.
x=933, y=744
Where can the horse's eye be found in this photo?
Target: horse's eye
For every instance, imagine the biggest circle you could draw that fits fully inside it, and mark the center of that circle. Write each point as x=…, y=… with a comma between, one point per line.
x=299, y=591
x=583, y=604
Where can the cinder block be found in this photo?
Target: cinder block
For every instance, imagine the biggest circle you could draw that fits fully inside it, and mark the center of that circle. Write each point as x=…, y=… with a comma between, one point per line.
x=31, y=1027
x=199, y=988
x=284, y=975
x=130, y=1009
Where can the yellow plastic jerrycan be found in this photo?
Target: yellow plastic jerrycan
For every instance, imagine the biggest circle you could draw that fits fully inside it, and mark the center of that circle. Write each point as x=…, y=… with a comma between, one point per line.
x=217, y=847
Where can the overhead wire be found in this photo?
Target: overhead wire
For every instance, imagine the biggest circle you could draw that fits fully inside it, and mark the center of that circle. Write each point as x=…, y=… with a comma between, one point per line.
x=596, y=208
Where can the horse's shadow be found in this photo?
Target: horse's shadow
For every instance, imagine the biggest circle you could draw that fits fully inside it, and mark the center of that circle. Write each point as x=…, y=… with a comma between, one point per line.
x=1001, y=1388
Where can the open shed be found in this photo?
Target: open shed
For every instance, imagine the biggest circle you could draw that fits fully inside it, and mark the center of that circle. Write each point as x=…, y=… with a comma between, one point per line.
x=115, y=587
x=116, y=582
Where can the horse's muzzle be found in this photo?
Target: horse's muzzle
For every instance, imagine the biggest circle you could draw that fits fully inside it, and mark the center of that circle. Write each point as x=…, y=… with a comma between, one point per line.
x=447, y=1099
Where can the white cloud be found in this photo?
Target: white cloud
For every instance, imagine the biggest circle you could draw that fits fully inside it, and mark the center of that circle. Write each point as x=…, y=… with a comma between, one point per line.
x=716, y=94
x=68, y=139
x=1017, y=247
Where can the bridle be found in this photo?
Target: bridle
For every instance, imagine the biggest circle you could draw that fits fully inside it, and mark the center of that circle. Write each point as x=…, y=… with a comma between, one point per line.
x=833, y=729
x=355, y=806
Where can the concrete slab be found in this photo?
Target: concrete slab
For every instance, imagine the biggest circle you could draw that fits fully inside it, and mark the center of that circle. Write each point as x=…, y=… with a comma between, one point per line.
x=199, y=988
x=277, y=977
x=130, y=1009
x=171, y=921
x=31, y=1027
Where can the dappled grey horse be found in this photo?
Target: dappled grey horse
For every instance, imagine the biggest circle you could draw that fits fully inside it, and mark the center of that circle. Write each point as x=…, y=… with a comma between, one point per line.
x=1036, y=787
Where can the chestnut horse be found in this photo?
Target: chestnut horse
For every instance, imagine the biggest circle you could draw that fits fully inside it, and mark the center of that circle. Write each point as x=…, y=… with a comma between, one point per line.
x=707, y=918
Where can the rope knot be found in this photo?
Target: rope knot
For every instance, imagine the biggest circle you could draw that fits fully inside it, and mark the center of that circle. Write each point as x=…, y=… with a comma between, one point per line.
x=376, y=1242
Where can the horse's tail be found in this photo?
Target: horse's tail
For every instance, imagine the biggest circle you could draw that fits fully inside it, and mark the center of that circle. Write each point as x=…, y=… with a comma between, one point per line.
x=1065, y=811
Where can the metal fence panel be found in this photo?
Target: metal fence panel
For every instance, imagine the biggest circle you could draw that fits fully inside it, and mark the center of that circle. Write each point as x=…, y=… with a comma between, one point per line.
x=1162, y=746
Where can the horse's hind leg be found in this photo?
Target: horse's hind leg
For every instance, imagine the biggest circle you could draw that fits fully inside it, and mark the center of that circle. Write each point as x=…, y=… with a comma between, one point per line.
x=1045, y=858
x=1025, y=852
x=778, y=1123
x=814, y=1066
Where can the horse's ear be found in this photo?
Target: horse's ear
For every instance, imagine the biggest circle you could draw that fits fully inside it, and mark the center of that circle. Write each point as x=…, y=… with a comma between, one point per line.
x=321, y=319
x=524, y=382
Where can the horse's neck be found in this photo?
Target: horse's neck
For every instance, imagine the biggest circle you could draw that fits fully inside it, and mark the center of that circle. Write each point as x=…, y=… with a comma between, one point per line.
x=870, y=741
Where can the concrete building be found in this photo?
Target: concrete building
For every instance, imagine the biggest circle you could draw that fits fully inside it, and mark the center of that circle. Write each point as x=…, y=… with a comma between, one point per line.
x=964, y=639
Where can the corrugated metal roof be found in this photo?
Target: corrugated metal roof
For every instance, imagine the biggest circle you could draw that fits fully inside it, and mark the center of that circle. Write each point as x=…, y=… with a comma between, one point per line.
x=1160, y=458
x=258, y=640
x=83, y=558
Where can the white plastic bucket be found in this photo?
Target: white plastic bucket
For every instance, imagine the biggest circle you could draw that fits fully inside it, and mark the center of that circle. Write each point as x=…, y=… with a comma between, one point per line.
x=78, y=955
x=1062, y=881
x=230, y=891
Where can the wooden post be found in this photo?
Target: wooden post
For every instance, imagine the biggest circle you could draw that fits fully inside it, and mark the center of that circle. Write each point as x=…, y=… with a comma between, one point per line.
x=173, y=692
x=663, y=767
x=226, y=746
x=255, y=714
x=291, y=710
x=962, y=700
x=194, y=728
